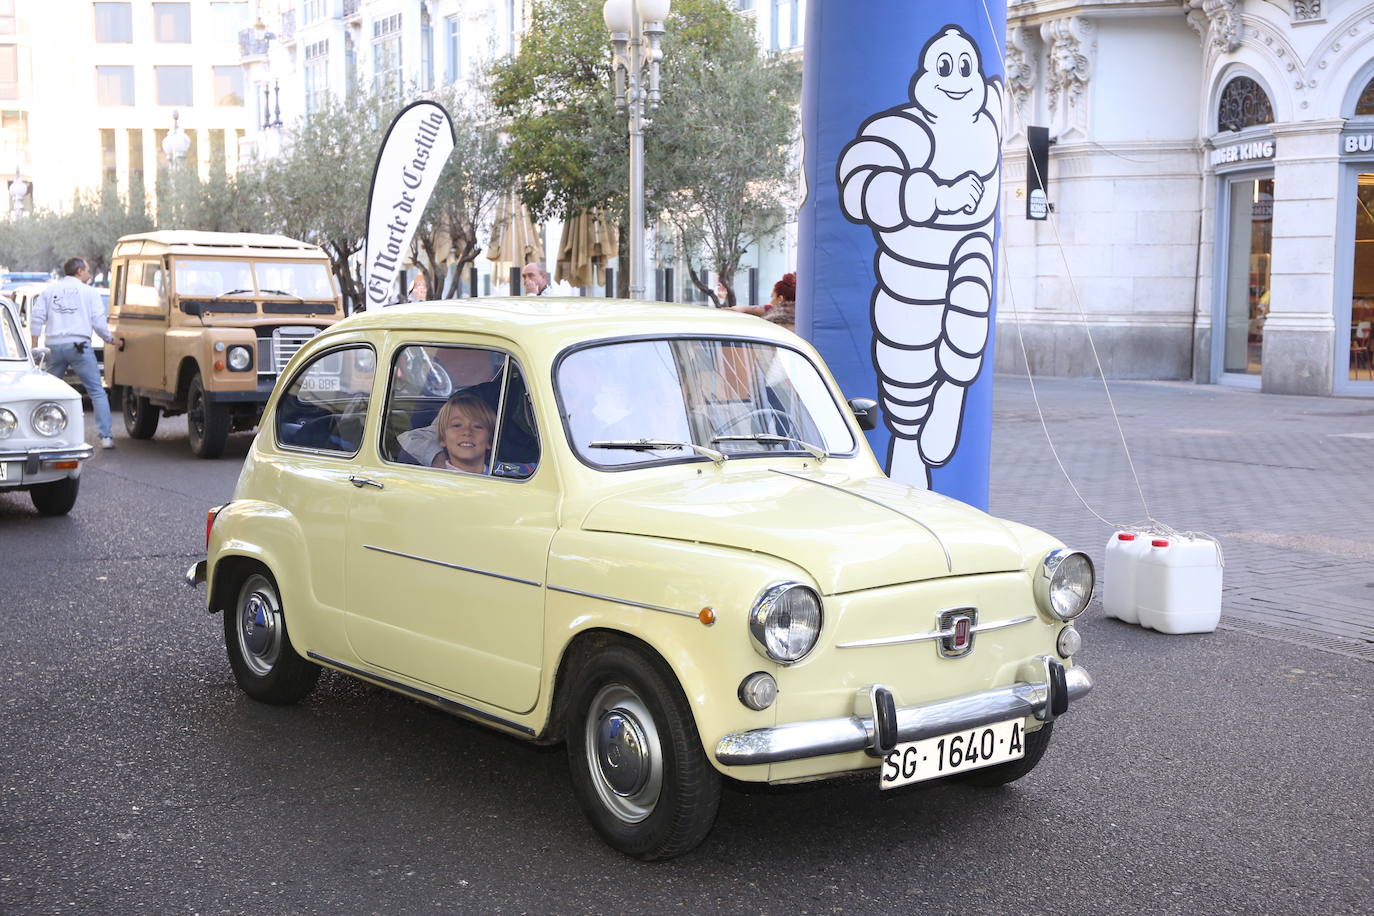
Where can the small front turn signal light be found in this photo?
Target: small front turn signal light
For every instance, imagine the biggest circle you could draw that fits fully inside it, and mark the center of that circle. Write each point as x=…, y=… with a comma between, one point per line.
x=219, y=365
x=65, y=465
x=707, y=616
x=758, y=690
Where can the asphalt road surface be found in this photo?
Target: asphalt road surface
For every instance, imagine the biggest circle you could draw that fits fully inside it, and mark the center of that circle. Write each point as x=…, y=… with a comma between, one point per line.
x=1223, y=773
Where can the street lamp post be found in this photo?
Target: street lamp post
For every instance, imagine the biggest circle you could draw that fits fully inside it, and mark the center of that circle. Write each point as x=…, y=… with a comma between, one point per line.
x=264, y=37
x=636, y=64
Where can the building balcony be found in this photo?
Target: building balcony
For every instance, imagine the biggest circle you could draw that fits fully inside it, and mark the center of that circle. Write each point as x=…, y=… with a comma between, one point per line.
x=288, y=27
x=352, y=9
x=250, y=47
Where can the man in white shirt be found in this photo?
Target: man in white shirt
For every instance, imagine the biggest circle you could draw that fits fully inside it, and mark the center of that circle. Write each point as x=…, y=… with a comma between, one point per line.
x=71, y=312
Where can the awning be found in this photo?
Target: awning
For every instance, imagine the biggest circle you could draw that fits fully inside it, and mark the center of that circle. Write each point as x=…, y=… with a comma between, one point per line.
x=515, y=239
x=590, y=242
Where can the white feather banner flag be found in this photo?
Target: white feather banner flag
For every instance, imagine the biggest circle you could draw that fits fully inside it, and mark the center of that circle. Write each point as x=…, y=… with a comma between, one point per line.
x=413, y=153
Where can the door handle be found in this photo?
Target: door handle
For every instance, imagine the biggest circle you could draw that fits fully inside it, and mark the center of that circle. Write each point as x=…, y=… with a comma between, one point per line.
x=361, y=482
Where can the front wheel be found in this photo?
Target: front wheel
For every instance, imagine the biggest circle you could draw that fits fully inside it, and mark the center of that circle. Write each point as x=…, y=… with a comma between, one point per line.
x=265, y=663
x=207, y=424
x=140, y=414
x=638, y=769
x=1003, y=773
x=56, y=498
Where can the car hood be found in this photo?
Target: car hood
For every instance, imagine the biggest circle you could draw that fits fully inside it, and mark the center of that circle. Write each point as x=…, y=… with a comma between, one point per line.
x=849, y=532
x=20, y=381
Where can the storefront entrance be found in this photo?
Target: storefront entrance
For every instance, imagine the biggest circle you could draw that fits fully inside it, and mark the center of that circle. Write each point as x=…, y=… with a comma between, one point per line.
x=1245, y=304
x=1361, y=335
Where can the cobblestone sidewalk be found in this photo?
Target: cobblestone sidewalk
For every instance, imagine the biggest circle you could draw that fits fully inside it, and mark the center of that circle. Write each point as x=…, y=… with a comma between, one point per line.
x=1285, y=483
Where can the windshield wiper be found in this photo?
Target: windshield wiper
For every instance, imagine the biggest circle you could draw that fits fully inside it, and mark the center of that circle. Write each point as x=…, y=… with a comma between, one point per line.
x=232, y=292
x=282, y=292
x=815, y=450
x=652, y=445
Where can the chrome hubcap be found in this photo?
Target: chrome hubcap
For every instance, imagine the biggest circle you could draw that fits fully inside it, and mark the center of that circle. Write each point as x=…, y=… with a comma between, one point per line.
x=624, y=753
x=259, y=626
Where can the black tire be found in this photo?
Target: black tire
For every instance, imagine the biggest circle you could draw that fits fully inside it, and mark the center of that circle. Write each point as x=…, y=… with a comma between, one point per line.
x=649, y=791
x=266, y=664
x=140, y=414
x=56, y=498
x=1003, y=773
x=207, y=424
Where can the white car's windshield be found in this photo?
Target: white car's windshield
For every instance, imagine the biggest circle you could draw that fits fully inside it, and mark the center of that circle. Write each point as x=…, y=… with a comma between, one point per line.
x=11, y=343
x=650, y=401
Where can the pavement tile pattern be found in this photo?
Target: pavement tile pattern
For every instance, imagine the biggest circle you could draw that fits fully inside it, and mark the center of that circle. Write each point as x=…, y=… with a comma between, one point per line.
x=1285, y=483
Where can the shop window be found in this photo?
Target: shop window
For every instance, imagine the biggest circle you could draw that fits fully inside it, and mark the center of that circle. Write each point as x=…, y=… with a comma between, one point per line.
x=1365, y=104
x=1247, y=280
x=1362, y=287
x=1243, y=104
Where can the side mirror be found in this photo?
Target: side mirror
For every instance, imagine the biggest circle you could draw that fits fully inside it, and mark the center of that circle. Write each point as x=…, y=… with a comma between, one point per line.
x=40, y=356
x=865, y=411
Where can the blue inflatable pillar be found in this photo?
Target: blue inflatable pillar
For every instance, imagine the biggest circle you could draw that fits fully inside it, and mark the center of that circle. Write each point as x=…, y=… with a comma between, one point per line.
x=897, y=266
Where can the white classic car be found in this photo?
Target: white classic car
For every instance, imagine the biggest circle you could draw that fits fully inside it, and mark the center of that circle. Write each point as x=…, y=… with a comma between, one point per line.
x=42, y=432
x=653, y=532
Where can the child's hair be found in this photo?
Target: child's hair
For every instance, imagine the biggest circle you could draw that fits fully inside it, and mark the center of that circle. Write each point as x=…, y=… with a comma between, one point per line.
x=470, y=404
x=786, y=288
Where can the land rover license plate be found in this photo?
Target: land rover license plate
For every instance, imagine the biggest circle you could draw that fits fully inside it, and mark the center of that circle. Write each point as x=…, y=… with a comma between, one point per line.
x=320, y=383
x=931, y=758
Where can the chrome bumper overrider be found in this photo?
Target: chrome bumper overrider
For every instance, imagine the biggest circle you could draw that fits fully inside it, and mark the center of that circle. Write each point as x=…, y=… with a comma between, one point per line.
x=196, y=574
x=1045, y=697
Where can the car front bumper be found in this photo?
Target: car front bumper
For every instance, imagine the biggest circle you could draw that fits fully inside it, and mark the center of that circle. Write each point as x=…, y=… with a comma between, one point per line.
x=1044, y=692
x=38, y=465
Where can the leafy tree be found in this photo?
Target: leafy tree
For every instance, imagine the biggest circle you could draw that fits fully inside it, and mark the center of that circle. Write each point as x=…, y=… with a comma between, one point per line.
x=722, y=107
x=89, y=229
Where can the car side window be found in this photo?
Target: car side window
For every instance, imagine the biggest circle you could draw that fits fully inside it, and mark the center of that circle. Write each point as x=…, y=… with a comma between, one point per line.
x=325, y=406
x=461, y=409
x=143, y=291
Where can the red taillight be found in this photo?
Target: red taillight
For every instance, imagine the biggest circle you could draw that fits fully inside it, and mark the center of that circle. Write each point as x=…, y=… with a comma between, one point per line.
x=1159, y=542
x=210, y=522
x=961, y=632
x=1125, y=536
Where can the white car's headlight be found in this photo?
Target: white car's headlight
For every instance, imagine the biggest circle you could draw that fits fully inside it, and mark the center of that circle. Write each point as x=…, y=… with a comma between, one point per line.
x=8, y=423
x=786, y=622
x=49, y=419
x=239, y=358
x=1064, y=583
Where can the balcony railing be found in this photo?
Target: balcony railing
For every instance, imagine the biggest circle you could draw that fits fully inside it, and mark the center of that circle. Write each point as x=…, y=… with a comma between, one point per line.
x=350, y=8
x=250, y=46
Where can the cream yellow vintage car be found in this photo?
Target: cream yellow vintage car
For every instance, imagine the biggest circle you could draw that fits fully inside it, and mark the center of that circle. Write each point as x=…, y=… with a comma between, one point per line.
x=654, y=532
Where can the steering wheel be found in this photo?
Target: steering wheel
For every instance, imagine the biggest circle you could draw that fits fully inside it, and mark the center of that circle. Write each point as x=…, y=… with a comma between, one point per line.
x=783, y=421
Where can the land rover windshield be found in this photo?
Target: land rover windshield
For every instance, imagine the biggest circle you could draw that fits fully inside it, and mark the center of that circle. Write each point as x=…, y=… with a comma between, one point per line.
x=259, y=279
x=642, y=402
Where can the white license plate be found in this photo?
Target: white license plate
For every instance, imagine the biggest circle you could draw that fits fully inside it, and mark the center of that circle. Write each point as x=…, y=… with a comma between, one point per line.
x=4, y=470
x=320, y=383
x=956, y=752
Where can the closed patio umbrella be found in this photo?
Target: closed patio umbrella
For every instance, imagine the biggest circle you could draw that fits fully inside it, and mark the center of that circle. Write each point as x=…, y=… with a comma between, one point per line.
x=589, y=243
x=515, y=239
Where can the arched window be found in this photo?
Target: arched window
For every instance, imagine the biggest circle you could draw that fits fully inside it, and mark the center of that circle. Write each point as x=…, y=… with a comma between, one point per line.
x=1365, y=104
x=1243, y=103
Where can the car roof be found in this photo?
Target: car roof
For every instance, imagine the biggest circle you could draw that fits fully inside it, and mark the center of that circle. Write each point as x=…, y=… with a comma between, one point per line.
x=562, y=321
x=228, y=244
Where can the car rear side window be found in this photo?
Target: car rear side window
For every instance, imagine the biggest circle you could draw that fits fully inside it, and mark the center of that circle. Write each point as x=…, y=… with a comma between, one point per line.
x=460, y=409
x=324, y=408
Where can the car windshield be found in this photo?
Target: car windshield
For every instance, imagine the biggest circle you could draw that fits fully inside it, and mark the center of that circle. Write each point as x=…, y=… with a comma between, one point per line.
x=653, y=401
x=11, y=343
x=235, y=279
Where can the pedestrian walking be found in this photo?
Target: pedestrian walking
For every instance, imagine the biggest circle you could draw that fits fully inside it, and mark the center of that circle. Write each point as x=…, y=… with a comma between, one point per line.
x=71, y=312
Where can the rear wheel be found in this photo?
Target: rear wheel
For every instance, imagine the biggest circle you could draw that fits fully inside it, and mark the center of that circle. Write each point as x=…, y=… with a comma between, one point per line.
x=1003, y=773
x=638, y=769
x=56, y=498
x=266, y=664
x=140, y=415
x=207, y=424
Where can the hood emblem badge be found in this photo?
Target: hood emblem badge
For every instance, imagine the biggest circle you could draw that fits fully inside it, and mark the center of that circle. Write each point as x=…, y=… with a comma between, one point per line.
x=956, y=629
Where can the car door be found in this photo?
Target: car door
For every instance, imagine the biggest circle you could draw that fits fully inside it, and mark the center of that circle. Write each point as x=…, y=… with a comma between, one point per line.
x=139, y=305
x=446, y=568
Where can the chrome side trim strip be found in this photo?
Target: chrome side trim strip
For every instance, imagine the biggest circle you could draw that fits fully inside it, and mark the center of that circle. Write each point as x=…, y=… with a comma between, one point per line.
x=949, y=560
x=933, y=634
x=480, y=572
x=452, y=706
x=638, y=604
x=821, y=737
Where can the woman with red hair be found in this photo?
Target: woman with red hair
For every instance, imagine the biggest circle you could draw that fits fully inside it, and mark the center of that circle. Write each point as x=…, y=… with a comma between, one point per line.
x=782, y=308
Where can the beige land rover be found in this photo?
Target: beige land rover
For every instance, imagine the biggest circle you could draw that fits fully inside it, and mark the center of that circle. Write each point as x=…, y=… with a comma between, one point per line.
x=204, y=321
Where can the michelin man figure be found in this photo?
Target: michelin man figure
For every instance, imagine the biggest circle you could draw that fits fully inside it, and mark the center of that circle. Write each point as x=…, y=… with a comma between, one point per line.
x=925, y=177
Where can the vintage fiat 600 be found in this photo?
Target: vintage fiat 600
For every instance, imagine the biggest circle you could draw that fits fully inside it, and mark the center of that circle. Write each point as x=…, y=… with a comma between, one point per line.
x=653, y=532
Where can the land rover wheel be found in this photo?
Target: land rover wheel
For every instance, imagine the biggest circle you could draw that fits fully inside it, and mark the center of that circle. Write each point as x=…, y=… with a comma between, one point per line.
x=265, y=663
x=207, y=424
x=638, y=769
x=140, y=415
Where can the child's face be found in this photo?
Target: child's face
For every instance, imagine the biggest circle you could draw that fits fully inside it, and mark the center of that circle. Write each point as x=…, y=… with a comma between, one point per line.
x=466, y=439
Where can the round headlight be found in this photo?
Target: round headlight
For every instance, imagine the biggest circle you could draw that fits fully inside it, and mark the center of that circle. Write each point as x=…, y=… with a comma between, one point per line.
x=49, y=419
x=239, y=358
x=8, y=423
x=1064, y=584
x=786, y=622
